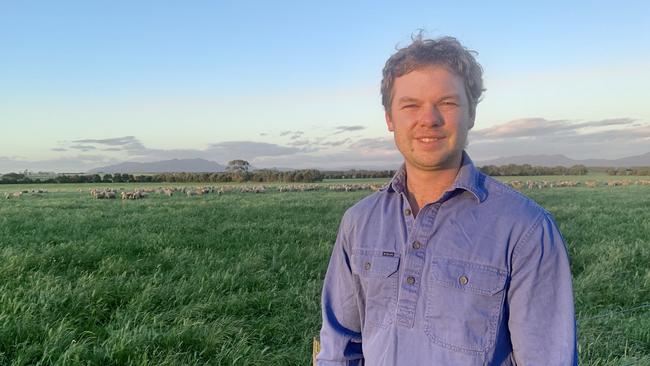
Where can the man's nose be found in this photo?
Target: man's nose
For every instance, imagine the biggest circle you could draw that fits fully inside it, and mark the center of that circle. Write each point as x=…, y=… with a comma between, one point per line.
x=431, y=116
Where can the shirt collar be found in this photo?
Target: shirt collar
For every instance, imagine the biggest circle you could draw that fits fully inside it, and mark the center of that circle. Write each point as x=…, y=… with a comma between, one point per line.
x=468, y=179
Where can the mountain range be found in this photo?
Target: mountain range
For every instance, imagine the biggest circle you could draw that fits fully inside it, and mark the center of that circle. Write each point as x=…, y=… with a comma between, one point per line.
x=203, y=165
x=165, y=166
x=562, y=160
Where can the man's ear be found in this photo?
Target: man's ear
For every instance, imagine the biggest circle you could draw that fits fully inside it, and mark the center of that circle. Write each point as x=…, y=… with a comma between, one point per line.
x=389, y=122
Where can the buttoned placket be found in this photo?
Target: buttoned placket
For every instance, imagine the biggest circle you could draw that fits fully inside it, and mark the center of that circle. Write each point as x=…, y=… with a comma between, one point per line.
x=414, y=259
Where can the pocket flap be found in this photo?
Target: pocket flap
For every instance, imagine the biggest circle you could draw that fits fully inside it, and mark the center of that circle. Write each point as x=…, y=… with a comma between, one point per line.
x=476, y=278
x=374, y=265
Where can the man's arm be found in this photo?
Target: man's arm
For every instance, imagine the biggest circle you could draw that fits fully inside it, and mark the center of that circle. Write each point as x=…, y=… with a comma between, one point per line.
x=340, y=335
x=542, y=320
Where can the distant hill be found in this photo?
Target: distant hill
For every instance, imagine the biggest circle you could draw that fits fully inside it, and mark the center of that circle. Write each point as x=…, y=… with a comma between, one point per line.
x=557, y=159
x=165, y=166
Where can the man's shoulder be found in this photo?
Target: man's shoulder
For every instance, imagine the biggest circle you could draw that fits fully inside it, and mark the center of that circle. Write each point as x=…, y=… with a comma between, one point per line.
x=515, y=203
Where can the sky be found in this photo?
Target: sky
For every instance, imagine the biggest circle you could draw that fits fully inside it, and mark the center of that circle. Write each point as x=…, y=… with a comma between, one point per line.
x=286, y=84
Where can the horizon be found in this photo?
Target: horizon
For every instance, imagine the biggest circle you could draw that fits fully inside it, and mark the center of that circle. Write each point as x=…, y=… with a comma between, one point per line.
x=85, y=85
x=592, y=164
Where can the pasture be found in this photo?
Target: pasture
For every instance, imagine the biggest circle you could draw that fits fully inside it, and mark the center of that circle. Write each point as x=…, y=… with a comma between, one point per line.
x=234, y=279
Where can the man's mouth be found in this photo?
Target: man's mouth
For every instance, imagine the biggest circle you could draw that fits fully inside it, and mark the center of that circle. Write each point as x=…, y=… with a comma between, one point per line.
x=429, y=139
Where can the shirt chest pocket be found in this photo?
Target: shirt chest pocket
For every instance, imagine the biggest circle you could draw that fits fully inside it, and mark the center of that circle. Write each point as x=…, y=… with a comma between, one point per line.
x=464, y=303
x=378, y=276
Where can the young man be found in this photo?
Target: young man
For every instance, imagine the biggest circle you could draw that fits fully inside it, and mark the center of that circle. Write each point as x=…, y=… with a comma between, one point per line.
x=444, y=266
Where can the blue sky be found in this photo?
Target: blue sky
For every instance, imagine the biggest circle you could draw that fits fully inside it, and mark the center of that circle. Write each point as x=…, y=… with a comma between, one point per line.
x=89, y=83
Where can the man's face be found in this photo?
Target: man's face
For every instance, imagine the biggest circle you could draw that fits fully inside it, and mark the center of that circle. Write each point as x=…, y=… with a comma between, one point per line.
x=430, y=117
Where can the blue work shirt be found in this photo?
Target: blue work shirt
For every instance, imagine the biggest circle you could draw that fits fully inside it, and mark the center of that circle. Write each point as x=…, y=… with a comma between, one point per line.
x=479, y=277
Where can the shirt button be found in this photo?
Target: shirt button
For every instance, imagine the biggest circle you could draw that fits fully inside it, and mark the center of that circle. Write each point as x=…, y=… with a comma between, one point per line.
x=367, y=266
x=416, y=245
x=407, y=212
x=410, y=280
x=463, y=280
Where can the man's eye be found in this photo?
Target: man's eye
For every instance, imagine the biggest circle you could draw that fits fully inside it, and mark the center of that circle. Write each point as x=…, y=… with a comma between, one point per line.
x=409, y=106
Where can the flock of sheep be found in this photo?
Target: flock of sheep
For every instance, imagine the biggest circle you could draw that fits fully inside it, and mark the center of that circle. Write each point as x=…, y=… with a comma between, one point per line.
x=108, y=193
x=18, y=194
x=111, y=193
x=529, y=184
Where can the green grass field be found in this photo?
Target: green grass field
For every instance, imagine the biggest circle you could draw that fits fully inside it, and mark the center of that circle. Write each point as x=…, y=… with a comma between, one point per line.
x=235, y=279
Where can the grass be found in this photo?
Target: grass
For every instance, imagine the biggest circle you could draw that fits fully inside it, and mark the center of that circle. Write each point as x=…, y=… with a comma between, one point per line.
x=235, y=279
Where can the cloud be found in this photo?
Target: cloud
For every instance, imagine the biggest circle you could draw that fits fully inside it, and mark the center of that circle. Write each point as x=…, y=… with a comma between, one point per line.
x=293, y=135
x=303, y=142
x=296, y=135
x=624, y=136
x=607, y=138
x=126, y=140
x=377, y=143
x=537, y=127
x=341, y=129
x=128, y=144
x=82, y=147
x=336, y=143
x=249, y=149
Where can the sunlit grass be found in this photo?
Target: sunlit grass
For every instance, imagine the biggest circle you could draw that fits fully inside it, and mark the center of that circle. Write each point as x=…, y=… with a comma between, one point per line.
x=235, y=279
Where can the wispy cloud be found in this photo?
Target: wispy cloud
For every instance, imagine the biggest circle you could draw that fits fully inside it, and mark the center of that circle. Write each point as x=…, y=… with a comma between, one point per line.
x=302, y=142
x=377, y=143
x=537, y=127
x=341, y=129
x=126, y=143
x=293, y=135
x=607, y=138
x=249, y=149
x=336, y=143
x=82, y=147
x=126, y=140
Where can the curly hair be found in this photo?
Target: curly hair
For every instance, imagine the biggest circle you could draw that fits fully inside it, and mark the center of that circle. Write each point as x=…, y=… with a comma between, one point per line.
x=443, y=51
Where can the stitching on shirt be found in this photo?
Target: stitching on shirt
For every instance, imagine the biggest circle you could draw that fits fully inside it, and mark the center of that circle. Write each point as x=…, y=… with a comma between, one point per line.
x=524, y=240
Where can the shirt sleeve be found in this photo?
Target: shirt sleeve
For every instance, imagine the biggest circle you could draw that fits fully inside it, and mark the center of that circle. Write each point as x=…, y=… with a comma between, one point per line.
x=340, y=335
x=542, y=320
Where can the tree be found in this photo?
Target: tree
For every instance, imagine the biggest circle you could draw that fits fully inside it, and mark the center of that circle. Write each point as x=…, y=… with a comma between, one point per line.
x=238, y=166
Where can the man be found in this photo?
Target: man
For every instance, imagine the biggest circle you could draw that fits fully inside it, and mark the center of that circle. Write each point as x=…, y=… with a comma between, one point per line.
x=444, y=266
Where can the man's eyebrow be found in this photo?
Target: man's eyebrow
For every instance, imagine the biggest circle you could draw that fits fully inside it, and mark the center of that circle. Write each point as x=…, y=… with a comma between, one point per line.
x=449, y=96
x=408, y=100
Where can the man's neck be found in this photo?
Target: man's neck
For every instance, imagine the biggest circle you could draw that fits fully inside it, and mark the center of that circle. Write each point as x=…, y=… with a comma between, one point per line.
x=428, y=186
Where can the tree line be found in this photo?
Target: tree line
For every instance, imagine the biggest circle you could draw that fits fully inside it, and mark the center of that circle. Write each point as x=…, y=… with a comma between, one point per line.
x=527, y=169
x=240, y=173
x=294, y=176
x=629, y=171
